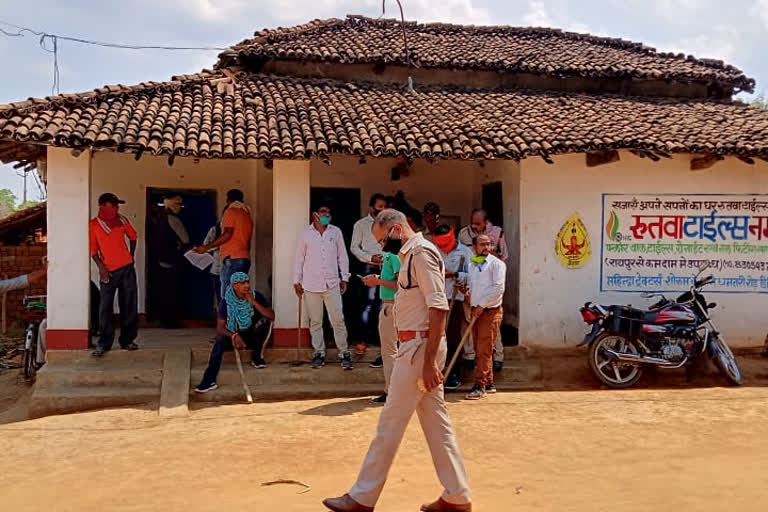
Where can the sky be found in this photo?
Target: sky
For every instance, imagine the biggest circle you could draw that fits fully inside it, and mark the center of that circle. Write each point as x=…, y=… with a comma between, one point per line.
x=735, y=31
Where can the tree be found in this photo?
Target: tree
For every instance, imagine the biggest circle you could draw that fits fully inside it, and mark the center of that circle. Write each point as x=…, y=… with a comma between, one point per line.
x=7, y=202
x=760, y=101
x=27, y=204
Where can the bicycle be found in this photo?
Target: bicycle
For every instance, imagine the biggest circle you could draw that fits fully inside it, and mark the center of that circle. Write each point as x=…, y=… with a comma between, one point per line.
x=36, y=312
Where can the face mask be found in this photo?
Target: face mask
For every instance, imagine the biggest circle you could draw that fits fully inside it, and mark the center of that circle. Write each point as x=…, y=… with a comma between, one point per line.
x=107, y=212
x=478, y=259
x=324, y=220
x=392, y=245
x=445, y=242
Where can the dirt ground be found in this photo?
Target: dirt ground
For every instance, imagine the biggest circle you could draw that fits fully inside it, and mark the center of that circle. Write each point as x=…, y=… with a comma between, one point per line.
x=675, y=449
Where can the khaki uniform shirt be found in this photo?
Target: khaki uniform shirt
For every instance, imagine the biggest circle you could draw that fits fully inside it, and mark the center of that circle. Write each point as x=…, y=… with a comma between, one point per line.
x=427, y=285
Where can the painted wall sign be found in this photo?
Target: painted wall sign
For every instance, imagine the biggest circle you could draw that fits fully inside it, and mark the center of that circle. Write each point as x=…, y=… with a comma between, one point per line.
x=656, y=242
x=572, y=245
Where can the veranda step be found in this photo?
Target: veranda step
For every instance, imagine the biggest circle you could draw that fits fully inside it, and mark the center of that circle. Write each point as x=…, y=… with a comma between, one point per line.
x=285, y=355
x=52, y=376
x=281, y=375
x=234, y=393
x=285, y=375
x=116, y=358
x=68, y=399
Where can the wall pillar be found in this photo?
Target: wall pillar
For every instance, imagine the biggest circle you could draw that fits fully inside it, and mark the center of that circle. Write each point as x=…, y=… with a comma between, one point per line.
x=69, y=185
x=290, y=199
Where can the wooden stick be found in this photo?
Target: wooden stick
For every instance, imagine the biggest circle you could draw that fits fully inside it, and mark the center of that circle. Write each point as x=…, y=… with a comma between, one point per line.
x=460, y=347
x=242, y=375
x=266, y=339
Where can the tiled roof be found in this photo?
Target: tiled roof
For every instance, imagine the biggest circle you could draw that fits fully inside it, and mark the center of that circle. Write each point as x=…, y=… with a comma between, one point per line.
x=518, y=49
x=211, y=115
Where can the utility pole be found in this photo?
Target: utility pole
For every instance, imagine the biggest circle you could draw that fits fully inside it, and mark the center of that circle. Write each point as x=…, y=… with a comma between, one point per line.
x=25, y=188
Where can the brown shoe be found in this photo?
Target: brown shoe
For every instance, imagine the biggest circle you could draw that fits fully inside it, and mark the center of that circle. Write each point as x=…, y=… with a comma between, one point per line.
x=443, y=506
x=345, y=504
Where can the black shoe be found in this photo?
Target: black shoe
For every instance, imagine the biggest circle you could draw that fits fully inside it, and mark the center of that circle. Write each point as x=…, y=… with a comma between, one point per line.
x=381, y=399
x=452, y=383
x=318, y=361
x=346, y=361
x=378, y=363
x=469, y=364
x=130, y=346
x=490, y=388
x=204, y=388
x=99, y=352
x=498, y=366
x=259, y=363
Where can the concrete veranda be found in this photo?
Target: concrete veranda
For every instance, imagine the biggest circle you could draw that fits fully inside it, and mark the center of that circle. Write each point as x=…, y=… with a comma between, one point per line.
x=637, y=450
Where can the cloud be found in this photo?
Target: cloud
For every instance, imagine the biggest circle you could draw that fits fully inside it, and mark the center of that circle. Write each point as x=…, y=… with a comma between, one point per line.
x=760, y=9
x=233, y=12
x=537, y=15
x=722, y=43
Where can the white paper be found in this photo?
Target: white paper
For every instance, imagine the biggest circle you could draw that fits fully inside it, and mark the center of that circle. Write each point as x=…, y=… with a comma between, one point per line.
x=201, y=261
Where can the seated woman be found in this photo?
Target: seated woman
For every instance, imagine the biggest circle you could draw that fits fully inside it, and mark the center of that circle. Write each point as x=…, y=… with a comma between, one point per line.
x=243, y=321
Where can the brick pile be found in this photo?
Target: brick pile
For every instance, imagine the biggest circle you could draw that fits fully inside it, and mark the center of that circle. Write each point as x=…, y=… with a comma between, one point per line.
x=16, y=261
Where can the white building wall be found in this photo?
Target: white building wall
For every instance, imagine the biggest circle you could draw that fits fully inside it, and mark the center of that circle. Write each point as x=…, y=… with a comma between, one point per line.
x=550, y=295
x=68, y=189
x=291, y=215
x=129, y=179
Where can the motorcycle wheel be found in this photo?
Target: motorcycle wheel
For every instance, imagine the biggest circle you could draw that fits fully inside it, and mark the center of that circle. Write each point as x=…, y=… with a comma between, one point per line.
x=614, y=374
x=726, y=362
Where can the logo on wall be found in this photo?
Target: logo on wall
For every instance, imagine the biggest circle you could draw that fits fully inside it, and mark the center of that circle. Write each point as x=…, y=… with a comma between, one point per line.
x=572, y=245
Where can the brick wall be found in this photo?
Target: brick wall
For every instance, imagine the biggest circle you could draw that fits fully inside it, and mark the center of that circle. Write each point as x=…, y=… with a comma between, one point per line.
x=15, y=261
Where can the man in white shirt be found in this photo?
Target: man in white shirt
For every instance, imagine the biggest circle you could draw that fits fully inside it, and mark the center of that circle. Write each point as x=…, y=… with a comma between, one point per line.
x=480, y=225
x=486, y=280
x=322, y=274
x=456, y=257
x=366, y=249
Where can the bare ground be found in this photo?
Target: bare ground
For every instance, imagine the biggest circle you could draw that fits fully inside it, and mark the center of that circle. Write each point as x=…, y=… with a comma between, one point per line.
x=675, y=449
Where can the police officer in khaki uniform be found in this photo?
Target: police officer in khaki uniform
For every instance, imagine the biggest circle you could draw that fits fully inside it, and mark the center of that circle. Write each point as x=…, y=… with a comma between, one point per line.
x=420, y=313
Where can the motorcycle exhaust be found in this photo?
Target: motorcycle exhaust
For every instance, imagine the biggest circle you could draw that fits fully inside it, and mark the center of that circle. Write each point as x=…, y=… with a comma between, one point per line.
x=634, y=358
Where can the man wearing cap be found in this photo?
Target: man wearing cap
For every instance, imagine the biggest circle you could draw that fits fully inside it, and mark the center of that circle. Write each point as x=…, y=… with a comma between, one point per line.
x=114, y=258
x=243, y=321
x=420, y=311
x=234, y=243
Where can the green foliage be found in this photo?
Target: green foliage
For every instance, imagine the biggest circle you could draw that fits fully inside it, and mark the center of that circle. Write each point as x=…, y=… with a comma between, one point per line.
x=7, y=202
x=760, y=101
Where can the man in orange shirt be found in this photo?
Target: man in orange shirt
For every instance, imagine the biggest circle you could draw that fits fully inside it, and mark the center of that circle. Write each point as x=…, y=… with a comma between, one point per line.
x=117, y=273
x=235, y=241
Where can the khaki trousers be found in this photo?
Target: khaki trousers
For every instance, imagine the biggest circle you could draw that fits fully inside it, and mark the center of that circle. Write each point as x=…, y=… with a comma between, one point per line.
x=314, y=302
x=404, y=398
x=388, y=337
x=485, y=332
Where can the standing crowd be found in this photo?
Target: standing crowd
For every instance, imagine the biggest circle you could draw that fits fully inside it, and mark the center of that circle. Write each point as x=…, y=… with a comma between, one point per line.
x=472, y=265
x=474, y=277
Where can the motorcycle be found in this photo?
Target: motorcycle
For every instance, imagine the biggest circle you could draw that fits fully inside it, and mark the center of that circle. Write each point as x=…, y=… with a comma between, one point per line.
x=671, y=334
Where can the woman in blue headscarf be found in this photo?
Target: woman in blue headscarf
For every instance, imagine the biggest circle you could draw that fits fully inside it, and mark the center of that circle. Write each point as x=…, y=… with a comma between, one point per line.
x=243, y=321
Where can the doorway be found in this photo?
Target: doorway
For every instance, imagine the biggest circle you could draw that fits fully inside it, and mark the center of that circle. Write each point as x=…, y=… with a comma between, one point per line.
x=345, y=211
x=493, y=202
x=194, y=291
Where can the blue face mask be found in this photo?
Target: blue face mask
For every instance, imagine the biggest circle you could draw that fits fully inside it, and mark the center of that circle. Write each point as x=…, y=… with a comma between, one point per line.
x=325, y=220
